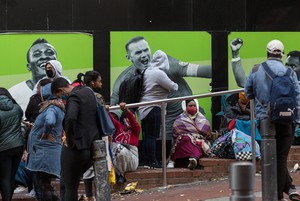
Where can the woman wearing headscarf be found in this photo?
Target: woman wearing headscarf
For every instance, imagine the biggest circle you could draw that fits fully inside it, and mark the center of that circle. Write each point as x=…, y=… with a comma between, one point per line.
x=191, y=135
x=45, y=144
x=11, y=141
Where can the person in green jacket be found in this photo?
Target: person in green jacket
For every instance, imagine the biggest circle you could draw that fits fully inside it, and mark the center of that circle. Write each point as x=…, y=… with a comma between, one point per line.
x=11, y=141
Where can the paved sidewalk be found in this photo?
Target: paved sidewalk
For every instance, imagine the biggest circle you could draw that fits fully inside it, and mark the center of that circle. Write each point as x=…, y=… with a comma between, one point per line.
x=217, y=190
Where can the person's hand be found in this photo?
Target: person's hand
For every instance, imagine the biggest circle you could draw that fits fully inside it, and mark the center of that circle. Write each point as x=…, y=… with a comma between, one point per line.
x=107, y=107
x=123, y=106
x=49, y=137
x=24, y=156
x=110, y=138
x=235, y=46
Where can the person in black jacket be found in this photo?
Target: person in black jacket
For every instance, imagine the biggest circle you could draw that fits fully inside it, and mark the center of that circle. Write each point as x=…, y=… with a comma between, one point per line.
x=81, y=130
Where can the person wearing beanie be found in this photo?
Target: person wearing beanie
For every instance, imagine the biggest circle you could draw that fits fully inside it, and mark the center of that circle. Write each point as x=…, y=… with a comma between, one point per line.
x=243, y=99
x=240, y=110
x=258, y=86
x=38, y=54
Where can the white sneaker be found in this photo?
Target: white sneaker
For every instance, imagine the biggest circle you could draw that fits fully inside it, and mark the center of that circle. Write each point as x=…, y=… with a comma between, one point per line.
x=20, y=189
x=31, y=193
x=192, y=164
x=171, y=164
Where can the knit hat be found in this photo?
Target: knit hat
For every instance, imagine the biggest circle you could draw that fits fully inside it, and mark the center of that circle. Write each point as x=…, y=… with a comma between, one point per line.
x=275, y=47
x=243, y=98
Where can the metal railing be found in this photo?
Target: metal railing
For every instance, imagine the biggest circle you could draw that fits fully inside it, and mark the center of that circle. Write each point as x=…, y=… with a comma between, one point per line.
x=163, y=102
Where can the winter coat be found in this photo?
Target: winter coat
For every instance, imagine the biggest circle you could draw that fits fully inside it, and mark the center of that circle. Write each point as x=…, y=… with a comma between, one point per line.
x=10, y=124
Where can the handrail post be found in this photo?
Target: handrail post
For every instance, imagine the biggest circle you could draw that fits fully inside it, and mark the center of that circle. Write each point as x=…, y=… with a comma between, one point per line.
x=252, y=132
x=163, y=143
x=269, y=162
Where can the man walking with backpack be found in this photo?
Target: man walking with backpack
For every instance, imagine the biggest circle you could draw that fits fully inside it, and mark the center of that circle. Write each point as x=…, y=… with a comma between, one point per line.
x=262, y=86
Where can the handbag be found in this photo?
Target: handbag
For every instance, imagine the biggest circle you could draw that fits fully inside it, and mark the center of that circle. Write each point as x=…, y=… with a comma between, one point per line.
x=105, y=123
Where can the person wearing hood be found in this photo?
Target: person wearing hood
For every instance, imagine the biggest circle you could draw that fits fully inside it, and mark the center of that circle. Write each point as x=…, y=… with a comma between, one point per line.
x=53, y=70
x=191, y=135
x=156, y=86
x=125, y=143
x=45, y=144
x=12, y=142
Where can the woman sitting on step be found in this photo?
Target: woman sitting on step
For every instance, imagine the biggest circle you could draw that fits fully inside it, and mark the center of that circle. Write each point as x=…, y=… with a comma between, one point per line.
x=191, y=136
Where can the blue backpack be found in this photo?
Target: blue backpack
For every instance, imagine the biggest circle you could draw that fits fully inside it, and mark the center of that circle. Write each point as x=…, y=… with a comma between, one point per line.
x=282, y=96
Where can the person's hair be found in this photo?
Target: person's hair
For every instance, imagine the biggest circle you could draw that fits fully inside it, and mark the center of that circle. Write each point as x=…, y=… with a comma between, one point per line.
x=133, y=40
x=58, y=83
x=187, y=101
x=79, y=80
x=37, y=41
x=5, y=92
x=88, y=77
x=274, y=55
x=43, y=82
x=294, y=53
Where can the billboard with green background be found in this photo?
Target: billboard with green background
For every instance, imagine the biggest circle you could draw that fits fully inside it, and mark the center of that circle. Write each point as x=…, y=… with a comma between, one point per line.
x=75, y=51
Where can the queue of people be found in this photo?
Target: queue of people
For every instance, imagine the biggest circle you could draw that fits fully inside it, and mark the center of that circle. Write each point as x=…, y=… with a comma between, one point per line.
x=62, y=124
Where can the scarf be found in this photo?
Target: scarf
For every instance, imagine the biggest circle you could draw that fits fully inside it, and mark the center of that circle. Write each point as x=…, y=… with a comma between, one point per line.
x=56, y=102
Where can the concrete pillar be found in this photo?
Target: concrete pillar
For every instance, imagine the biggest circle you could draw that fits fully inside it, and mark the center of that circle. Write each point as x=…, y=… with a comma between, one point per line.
x=269, y=161
x=242, y=181
x=102, y=187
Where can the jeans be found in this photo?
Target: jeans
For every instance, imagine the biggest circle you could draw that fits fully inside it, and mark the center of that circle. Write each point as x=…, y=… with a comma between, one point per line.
x=151, y=130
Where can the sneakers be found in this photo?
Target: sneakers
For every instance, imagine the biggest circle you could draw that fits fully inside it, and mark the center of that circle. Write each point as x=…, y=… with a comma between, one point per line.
x=84, y=198
x=171, y=164
x=31, y=193
x=20, y=189
x=192, y=164
x=121, y=179
x=153, y=165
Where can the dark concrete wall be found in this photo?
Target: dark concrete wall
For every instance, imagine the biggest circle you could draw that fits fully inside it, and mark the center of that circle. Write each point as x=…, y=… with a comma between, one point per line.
x=102, y=16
